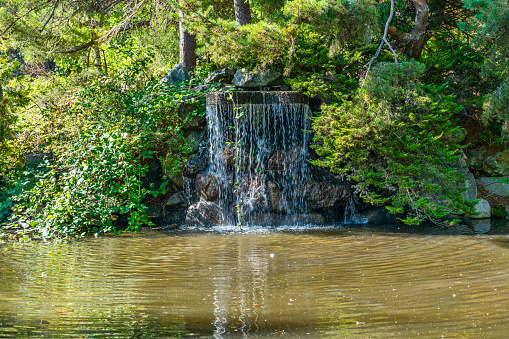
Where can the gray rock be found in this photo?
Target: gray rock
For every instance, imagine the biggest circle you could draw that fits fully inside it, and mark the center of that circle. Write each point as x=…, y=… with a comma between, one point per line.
x=244, y=78
x=176, y=199
x=204, y=213
x=483, y=210
x=469, y=184
x=494, y=186
x=36, y=158
x=176, y=75
x=195, y=165
x=200, y=89
x=497, y=165
x=223, y=76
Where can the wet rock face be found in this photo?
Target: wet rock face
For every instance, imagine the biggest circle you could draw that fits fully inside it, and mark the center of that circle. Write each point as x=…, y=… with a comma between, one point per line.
x=204, y=213
x=278, y=201
x=287, y=160
x=252, y=194
x=207, y=187
x=324, y=195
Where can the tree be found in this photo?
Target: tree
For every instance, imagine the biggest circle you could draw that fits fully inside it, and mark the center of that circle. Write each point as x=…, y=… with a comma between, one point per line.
x=242, y=12
x=187, y=45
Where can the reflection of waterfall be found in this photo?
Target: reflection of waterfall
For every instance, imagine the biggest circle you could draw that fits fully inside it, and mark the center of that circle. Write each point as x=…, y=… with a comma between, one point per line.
x=258, y=150
x=239, y=295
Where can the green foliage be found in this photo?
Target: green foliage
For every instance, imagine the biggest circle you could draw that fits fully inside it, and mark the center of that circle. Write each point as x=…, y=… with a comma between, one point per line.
x=103, y=139
x=397, y=141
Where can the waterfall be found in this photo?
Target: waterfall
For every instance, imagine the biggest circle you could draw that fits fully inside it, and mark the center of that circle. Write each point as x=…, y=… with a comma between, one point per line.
x=257, y=151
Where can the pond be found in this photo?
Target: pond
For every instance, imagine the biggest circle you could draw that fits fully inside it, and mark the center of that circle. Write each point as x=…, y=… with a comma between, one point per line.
x=325, y=283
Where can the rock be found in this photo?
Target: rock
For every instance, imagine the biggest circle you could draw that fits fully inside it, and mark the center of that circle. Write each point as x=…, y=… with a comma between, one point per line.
x=195, y=165
x=200, y=88
x=278, y=201
x=483, y=210
x=494, y=186
x=207, y=187
x=223, y=76
x=176, y=75
x=154, y=212
x=35, y=159
x=154, y=177
x=323, y=195
x=497, y=165
x=176, y=199
x=287, y=160
x=469, y=184
x=195, y=138
x=204, y=213
x=252, y=193
x=190, y=118
x=480, y=226
x=285, y=88
x=238, y=157
x=267, y=77
x=475, y=158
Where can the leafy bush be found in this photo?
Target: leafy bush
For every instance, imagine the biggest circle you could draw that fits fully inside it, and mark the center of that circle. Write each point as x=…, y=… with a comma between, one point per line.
x=102, y=140
x=397, y=141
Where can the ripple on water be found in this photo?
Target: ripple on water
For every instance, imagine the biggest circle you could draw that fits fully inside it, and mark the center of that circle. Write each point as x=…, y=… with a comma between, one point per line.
x=257, y=281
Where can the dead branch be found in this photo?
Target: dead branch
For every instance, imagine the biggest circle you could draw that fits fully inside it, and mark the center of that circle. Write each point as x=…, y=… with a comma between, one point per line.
x=50, y=16
x=384, y=40
x=22, y=16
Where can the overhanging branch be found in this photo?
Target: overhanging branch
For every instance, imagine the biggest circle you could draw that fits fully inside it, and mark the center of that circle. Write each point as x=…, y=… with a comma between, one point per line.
x=105, y=37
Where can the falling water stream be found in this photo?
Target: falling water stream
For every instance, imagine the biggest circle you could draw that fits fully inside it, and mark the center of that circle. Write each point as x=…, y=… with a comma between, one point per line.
x=258, y=149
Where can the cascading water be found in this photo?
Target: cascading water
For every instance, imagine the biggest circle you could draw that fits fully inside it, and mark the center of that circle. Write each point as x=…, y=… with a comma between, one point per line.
x=257, y=151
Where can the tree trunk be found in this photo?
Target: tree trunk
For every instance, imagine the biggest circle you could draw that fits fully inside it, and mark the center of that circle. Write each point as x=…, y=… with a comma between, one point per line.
x=413, y=42
x=242, y=12
x=416, y=39
x=97, y=59
x=187, y=46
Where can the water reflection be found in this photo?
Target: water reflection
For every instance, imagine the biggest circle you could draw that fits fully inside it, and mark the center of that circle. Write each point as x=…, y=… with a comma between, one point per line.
x=352, y=282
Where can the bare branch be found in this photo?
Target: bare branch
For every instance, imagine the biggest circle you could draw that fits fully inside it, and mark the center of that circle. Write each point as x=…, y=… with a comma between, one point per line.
x=22, y=16
x=50, y=16
x=384, y=40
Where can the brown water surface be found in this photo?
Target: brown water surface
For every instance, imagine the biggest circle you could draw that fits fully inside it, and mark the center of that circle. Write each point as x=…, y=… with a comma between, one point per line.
x=358, y=283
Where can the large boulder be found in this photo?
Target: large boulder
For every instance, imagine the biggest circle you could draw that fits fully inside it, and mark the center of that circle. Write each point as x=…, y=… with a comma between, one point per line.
x=482, y=210
x=267, y=77
x=204, y=213
x=207, y=186
x=176, y=75
x=223, y=76
x=497, y=164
